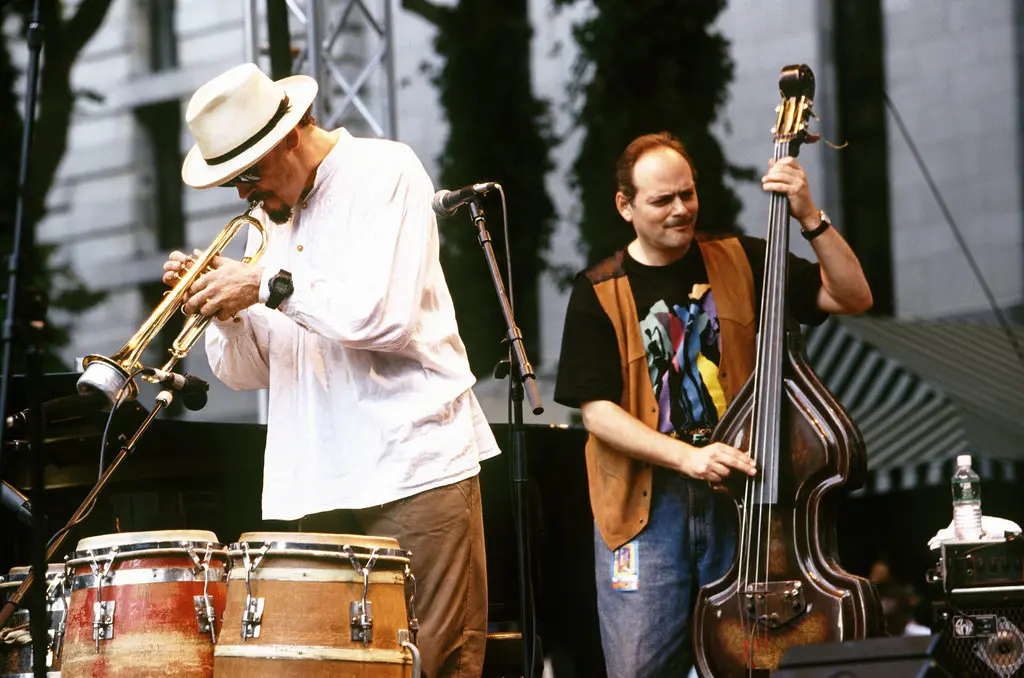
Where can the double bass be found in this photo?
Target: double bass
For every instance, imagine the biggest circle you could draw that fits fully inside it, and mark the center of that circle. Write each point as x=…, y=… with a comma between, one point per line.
x=785, y=586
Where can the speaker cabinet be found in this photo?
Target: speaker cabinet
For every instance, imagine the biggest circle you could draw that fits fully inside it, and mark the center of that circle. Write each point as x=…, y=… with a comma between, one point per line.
x=902, y=657
x=983, y=632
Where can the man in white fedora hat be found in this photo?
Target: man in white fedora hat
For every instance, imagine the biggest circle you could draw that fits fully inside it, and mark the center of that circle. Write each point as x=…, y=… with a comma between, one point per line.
x=373, y=426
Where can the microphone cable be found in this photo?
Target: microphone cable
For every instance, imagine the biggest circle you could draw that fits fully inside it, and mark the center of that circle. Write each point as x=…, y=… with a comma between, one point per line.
x=121, y=398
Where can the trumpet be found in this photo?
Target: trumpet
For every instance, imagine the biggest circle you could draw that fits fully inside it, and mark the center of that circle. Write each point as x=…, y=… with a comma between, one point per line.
x=112, y=375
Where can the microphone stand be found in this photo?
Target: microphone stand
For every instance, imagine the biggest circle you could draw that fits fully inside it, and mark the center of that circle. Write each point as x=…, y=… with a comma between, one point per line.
x=163, y=400
x=33, y=324
x=523, y=379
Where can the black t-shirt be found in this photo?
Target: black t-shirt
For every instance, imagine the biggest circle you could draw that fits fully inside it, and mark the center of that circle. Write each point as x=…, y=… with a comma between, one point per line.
x=679, y=324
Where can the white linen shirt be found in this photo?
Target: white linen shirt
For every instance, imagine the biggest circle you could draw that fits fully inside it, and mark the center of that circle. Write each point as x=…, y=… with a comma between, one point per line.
x=370, y=387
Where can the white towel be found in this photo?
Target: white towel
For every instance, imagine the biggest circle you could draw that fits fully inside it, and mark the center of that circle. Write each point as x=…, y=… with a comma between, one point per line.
x=992, y=529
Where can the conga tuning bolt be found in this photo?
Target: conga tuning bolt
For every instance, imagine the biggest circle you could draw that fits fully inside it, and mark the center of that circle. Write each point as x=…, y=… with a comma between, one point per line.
x=102, y=612
x=410, y=603
x=102, y=622
x=205, y=615
x=361, y=611
x=252, y=615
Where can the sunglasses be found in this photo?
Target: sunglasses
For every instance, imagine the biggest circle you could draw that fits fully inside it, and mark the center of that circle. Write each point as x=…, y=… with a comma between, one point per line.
x=249, y=176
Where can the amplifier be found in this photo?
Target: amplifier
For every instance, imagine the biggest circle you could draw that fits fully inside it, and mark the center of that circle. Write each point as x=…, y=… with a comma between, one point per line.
x=982, y=564
x=982, y=630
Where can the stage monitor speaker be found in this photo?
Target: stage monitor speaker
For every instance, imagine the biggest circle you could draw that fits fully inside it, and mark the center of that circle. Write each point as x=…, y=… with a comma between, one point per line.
x=902, y=657
x=983, y=631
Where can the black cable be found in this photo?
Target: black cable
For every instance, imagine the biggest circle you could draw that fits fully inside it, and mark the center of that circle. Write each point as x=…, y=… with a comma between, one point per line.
x=103, y=447
x=1000, y=317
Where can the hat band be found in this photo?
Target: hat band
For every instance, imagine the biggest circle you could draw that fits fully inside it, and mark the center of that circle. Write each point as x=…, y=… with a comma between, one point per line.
x=255, y=138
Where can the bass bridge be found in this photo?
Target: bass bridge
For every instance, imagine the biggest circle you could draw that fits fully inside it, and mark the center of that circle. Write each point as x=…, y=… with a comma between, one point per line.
x=776, y=603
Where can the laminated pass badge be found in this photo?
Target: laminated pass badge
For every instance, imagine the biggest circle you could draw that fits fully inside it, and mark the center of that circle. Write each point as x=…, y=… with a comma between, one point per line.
x=626, y=567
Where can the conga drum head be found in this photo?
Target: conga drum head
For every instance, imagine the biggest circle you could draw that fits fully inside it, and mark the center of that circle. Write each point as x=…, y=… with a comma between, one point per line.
x=321, y=538
x=139, y=540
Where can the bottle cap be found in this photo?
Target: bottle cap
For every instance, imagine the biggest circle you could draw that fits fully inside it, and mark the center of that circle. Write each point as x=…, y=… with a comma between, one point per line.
x=963, y=460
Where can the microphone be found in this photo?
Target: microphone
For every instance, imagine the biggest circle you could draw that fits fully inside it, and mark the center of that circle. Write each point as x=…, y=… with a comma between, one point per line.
x=60, y=409
x=446, y=203
x=15, y=502
x=192, y=389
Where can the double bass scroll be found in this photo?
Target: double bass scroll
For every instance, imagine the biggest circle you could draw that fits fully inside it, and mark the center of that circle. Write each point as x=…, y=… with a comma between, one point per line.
x=785, y=586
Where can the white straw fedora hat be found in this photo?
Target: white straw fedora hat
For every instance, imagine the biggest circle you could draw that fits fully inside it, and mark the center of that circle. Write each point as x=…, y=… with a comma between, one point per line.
x=237, y=118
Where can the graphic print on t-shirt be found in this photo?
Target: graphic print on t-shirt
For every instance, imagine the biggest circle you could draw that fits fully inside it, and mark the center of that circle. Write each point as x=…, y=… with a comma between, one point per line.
x=683, y=352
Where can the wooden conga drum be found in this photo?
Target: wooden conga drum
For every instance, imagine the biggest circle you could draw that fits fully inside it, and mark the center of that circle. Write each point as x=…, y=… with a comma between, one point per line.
x=144, y=604
x=16, y=639
x=316, y=605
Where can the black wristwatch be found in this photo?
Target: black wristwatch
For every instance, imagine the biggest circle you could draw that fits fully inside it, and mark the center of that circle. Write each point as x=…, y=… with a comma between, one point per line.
x=280, y=288
x=825, y=224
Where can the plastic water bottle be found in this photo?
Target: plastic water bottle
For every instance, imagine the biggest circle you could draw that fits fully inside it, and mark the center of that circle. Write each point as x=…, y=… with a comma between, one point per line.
x=966, y=501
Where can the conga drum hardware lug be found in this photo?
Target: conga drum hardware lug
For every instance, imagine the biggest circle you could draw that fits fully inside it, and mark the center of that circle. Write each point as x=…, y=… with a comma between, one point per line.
x=58, y=587
x=410, y=603
x=410, y=645
x=252, y=614
x=252, y=617
x=102, y=622
x=102, y=612
x=205, y=615
x=361, y=612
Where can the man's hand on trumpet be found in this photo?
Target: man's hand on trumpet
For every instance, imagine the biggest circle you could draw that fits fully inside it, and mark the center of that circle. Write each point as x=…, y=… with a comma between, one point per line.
x=224, y=290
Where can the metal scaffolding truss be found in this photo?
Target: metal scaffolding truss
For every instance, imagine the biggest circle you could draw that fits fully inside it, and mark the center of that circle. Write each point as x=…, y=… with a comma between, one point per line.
x=347, y=47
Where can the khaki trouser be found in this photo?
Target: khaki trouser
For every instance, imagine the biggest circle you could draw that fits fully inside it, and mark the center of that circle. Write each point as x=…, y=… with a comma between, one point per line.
x=443, y=528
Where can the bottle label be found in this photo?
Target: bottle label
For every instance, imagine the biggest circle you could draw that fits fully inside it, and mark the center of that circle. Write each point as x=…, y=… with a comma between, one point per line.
x=965, y=491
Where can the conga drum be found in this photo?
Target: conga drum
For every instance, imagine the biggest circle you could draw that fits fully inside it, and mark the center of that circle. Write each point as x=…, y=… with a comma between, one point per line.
x=144, y=604
x=16, y=638
x=311, y=605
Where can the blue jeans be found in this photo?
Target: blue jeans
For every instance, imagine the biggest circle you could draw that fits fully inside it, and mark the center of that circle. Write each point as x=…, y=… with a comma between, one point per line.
x=689, y=541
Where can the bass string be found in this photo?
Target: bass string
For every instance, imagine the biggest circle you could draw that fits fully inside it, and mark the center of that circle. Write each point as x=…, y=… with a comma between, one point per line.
x=755, y=542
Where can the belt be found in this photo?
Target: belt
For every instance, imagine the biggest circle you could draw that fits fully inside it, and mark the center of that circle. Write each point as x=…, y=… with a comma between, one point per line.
x=698, y=437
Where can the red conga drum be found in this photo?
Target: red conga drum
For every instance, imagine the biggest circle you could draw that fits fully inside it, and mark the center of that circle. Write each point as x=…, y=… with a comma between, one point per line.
x=311, y=605
x=16, y=639
x=144, y=604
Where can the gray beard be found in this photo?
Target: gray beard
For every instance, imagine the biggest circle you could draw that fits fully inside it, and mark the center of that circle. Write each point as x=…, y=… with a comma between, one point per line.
x=280, y=216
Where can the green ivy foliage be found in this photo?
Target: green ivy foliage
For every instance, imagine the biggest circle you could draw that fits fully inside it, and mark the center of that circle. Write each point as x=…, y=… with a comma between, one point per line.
x=649, y=66
x=498, y=131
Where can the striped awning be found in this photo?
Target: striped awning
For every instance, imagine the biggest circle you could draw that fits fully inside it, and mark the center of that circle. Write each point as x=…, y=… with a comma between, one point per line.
x=923, y=393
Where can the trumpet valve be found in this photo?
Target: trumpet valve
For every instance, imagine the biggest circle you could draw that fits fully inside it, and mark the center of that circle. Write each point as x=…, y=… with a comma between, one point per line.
x=186, y=266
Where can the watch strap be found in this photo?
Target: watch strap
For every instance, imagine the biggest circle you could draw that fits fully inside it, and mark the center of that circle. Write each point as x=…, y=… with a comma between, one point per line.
x=822, y=227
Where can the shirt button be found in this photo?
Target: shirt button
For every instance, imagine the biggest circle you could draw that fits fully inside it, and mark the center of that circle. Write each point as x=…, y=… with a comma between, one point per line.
x=299, y=248
x=236, y=319
x=305, y=205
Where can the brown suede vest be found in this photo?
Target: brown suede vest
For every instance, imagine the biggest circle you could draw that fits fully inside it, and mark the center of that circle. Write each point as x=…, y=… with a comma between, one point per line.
x=620, y=486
